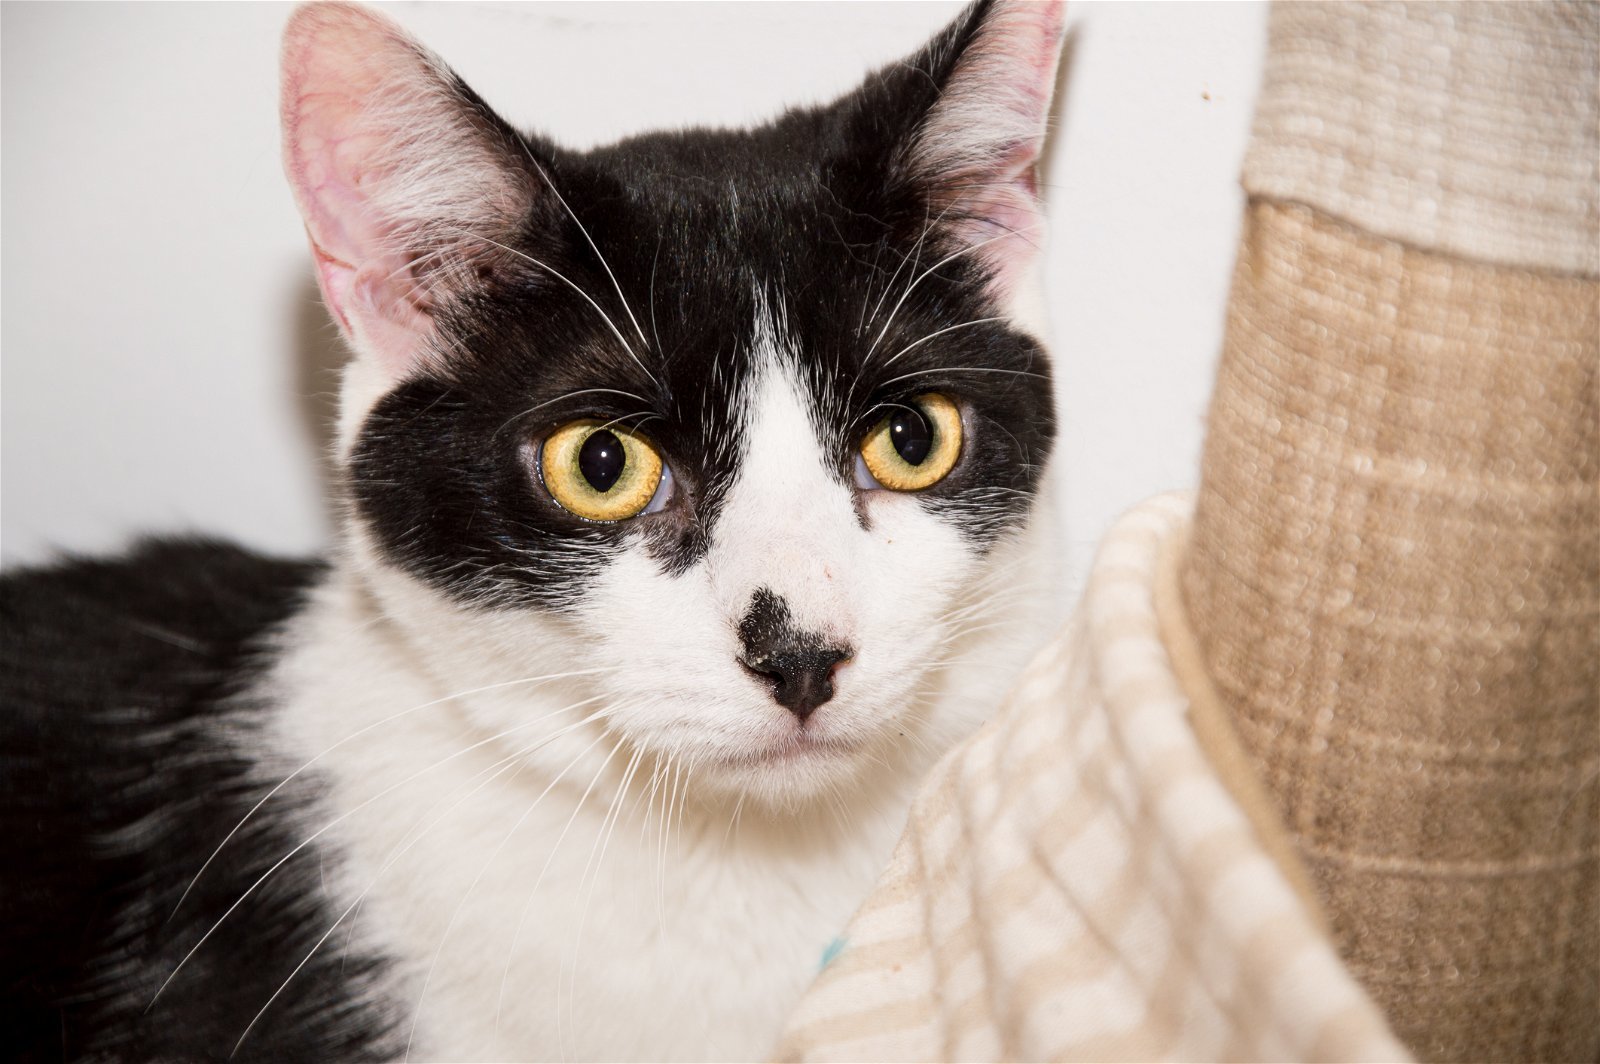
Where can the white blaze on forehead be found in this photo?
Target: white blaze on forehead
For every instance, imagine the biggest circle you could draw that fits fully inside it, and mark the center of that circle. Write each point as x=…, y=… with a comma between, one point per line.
x=788, y=522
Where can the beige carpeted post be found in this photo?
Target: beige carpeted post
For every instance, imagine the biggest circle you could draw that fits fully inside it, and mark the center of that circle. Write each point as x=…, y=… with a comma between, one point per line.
x=1394, y=568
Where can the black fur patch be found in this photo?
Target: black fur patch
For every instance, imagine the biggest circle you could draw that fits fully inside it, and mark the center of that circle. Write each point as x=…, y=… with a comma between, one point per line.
x=126, y=758
x=816, y=210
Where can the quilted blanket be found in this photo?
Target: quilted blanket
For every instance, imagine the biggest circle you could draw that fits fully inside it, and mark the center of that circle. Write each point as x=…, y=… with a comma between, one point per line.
x=1080, y=882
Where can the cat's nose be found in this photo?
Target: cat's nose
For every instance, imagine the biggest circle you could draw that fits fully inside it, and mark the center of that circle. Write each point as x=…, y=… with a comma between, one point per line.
x=799, y=664
x=802, y=674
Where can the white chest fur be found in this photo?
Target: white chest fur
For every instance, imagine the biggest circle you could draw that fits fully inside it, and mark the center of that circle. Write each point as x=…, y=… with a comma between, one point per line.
x=548, y=895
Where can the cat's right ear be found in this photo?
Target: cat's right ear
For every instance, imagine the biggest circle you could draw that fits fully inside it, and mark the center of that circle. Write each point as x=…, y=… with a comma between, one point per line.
x=409, y=185
x=970, y=111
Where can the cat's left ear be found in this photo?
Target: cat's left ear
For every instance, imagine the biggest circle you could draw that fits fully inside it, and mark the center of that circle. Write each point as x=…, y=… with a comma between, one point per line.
x=977, y=136
x=411, y=188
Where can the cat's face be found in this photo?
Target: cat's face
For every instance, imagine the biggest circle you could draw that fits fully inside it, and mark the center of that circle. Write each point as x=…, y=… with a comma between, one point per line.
x=742, y=420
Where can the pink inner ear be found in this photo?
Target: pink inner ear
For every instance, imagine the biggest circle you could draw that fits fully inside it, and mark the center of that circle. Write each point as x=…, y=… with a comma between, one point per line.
x=1001, y=220
x=983, y=139
x=350, y=238
x=348, y=76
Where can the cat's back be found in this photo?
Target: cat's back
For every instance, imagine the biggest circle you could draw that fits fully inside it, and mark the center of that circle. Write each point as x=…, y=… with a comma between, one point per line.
x=100, y=658
x=126, y=756
x=171, y=619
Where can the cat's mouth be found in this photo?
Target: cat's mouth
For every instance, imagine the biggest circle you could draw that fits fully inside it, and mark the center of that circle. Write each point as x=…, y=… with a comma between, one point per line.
x=792, y=768
x=801, y=747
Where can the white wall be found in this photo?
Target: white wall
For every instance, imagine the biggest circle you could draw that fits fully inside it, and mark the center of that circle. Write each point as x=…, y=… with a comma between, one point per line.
x=167, y=363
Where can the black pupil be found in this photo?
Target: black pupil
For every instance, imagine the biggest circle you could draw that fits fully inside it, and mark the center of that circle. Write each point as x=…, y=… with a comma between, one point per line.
x=601, y=460
x=911, y=435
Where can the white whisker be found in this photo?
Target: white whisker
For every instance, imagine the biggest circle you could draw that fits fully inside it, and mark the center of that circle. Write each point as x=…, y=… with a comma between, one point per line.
x=602, y=842
x=592, y=246
x=570, y=283
x=915, y=259
x=570, y=395
x=357, y=734
x=935, y=335
x=511, y=952
x=733, y=820
x=655, y=332
x=456, y=913
x=661, y=843
x=504, y=765
x=328, y=827
x=969, y=249
x=964, y=369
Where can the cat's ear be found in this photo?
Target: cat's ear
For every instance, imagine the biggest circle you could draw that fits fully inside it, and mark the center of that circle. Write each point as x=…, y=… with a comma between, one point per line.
x=409, y=185
x=976, y=135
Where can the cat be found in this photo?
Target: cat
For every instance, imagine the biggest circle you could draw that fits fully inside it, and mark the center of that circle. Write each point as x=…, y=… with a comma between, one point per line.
x=696, y=501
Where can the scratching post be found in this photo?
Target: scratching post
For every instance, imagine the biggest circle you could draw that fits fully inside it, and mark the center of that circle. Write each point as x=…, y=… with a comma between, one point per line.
x=1394, y=567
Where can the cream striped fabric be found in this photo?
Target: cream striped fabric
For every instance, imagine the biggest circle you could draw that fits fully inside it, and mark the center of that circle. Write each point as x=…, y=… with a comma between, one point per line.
x=1077, y=883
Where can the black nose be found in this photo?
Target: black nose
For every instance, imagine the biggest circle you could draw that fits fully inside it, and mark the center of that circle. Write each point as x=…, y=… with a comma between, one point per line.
x=803, y=675
x=799, y=663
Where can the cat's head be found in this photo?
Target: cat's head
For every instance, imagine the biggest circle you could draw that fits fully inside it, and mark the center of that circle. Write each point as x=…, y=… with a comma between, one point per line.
x=740, y=419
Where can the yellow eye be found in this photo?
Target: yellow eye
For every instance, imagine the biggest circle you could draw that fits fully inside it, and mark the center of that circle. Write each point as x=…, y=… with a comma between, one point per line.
x=599, y=470
x=916, y=446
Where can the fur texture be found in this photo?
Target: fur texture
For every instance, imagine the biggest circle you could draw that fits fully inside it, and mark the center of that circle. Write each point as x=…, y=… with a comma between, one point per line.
x=128, y=747
x=554, y=805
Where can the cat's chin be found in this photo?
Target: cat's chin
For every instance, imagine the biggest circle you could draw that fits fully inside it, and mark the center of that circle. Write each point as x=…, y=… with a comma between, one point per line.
x=793, y=773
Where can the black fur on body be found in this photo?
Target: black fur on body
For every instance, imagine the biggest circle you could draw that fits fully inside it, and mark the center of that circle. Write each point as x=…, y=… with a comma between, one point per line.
x=126, y=756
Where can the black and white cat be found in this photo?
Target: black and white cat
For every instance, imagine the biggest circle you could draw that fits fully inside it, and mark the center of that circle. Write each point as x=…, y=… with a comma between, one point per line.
x=694, y=508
